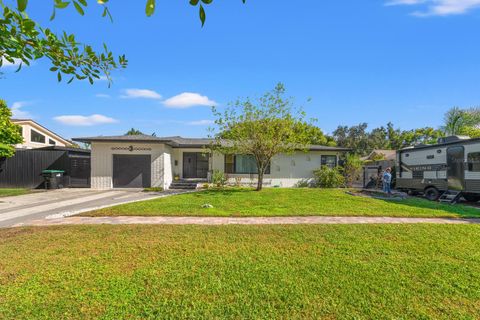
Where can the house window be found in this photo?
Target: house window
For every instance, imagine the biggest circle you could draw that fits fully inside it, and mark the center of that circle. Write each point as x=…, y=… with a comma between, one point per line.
x=329, y=161
x=241, y=163
x=52, y=142
x=37, y=137
x=229, y=163
x=473, y=160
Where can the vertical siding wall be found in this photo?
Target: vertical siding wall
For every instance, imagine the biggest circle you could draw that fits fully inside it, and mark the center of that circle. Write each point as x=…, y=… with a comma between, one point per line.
x=102, y=161
x=24, y=169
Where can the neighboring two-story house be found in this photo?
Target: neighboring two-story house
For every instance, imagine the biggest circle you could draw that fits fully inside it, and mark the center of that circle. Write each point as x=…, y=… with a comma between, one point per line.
x=37, y=136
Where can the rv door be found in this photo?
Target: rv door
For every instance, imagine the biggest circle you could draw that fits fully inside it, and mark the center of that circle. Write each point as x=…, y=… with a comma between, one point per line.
x=455, y=168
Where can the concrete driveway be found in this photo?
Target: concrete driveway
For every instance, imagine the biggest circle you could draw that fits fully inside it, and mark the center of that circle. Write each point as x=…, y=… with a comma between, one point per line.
x=56, y=203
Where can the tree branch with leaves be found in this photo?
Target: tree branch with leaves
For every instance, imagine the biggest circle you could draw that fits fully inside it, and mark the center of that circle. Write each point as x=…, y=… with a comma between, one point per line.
x=9, y=132
x=22, y=39
x=262, y=128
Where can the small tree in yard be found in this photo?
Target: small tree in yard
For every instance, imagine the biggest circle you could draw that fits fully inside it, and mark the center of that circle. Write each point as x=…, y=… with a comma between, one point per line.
x=352, y=168
x=9, y=132
x=262, y=128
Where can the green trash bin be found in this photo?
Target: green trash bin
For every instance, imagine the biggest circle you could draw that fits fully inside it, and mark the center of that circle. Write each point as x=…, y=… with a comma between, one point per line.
x=53, y=179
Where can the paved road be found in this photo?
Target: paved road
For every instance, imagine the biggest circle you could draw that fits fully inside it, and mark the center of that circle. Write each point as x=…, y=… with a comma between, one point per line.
x=253, y=220
x=64, y=202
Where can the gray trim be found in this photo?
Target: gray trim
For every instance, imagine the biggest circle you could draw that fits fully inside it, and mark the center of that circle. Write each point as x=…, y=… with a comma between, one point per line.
x=180, y=142
x=421, y=184
x=439, y=145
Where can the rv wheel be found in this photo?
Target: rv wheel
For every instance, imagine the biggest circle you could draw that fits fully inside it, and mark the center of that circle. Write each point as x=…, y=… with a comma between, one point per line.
x=471, y=197
x=432, y=194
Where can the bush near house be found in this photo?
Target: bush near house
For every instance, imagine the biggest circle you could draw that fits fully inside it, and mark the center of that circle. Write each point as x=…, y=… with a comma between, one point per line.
x=219, y=179
x=327, y=177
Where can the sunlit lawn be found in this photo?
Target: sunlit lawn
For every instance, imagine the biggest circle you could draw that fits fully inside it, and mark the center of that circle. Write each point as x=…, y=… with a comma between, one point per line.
x=7, y=192
x=241, y=272
x=285, y=202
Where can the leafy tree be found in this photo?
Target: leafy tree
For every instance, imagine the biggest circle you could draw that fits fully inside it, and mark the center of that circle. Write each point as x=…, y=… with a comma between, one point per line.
x=363, y=142
x=9, y=132
x=394, y=137
x=316, y=134
x=352, y=168
x=355, y=138
x=425, y=135
x=453, y=121
x=263, y=128
x=23, y=39
x=462, y=122
x=378, y=138
x=133, y=132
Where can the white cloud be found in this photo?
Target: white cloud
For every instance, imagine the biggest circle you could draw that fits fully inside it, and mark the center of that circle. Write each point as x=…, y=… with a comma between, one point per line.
x=6, y=64
x=140, y=93
x=17, y=113
x=102, y=95
x=187, y=100
x=438, y=7
x=77, y=120
x=200, y=122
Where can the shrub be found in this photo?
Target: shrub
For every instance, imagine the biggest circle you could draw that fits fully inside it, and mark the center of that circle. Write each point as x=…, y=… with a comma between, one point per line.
x=153, y=189
x=305, y=183
x=352, y=169
x=327, y=177
x=218, y=178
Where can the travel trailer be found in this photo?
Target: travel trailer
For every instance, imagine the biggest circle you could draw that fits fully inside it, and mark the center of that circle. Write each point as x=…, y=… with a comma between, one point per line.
x=445, y=171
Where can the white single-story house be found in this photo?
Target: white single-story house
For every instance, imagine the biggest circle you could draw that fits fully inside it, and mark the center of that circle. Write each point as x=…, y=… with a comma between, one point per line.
x=37, y=136
x=139, y=161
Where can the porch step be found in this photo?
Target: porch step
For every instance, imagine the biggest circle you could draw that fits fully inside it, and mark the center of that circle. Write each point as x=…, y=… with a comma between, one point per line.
x=186, y=184
x=450, y=196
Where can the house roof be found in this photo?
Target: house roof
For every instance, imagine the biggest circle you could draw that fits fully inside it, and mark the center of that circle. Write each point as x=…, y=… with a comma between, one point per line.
x=59, y=137
x=389, y=154
x=177, y=141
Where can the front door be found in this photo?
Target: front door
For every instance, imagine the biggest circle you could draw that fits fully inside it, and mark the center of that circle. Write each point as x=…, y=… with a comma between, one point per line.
x=195, y=165
x=455, y=168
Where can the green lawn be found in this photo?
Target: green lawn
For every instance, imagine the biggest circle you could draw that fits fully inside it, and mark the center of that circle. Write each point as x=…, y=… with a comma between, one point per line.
x=265, y=272
x=13, y=192
x=284, y=202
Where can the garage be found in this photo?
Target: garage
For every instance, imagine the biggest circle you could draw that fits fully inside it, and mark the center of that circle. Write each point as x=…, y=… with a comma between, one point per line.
x=131, y=171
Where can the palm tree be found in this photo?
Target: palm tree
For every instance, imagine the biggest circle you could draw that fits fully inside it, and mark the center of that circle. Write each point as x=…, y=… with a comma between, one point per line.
x=454, y=121
x=133, y=132
x=457, y=121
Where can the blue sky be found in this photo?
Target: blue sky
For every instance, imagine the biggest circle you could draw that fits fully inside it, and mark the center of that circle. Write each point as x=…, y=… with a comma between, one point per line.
x=375, y=61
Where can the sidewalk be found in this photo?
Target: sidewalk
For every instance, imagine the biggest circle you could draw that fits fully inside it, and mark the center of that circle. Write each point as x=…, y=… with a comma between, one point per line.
x=244, y=221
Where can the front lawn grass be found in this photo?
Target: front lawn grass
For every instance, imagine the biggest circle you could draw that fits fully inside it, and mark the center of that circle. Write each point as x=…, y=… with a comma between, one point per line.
x=6, y=192
x=284, y=202
x=240, y=272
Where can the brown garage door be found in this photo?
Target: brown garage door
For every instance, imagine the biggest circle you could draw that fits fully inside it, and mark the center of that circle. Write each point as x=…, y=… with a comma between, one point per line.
x=131, y=171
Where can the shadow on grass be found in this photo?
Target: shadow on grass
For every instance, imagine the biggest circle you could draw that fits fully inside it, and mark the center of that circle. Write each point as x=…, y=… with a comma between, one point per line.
x=225, y=191
x=460, y=210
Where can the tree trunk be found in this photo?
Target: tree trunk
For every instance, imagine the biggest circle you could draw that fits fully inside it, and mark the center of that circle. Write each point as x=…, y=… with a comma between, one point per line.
x=260, y=180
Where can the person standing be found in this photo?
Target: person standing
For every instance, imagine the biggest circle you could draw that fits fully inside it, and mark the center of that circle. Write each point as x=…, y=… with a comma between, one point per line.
x=387, y=180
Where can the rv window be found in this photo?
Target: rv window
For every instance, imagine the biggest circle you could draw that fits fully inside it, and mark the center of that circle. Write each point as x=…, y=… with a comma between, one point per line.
x=474, y=162
x=430, y=156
